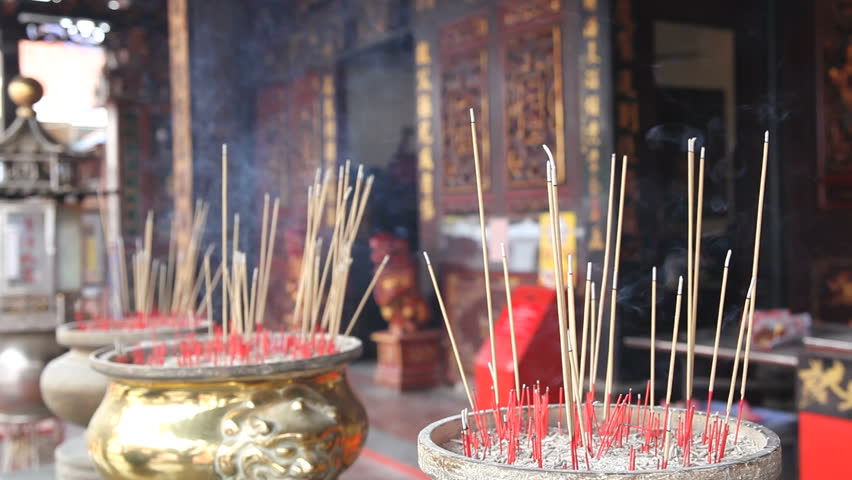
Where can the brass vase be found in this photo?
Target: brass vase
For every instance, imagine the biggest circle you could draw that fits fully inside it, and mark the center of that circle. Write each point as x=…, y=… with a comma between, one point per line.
x=296, y=419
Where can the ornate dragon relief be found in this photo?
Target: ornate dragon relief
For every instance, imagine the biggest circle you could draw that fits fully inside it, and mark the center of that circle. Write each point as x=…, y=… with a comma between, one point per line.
x=291, y=433
x=818, y=383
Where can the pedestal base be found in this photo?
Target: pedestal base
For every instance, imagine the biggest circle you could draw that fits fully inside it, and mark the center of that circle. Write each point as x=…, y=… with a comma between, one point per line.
x=73, y=462
x=408, y=361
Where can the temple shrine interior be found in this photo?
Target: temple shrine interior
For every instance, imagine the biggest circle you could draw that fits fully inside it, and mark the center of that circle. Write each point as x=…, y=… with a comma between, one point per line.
x=349, y=202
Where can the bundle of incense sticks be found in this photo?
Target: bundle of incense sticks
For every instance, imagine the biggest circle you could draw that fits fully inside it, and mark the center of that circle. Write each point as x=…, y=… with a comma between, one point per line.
x=152, y=292
x=626, y=425
x=242, y=338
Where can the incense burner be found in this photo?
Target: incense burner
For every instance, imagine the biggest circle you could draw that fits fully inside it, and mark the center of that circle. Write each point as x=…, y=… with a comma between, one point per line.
x=441, y=463
x=296, y=419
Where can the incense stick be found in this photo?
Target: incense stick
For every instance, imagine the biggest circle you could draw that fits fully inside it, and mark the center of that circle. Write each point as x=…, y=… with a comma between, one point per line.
x=743, y=321
x=690, y=157
x=485, y=265
x=674, y=341
x=605, y=271
x=449, y=330
x=225, y=317
x=613, y=306
x=511, y=311
x=367, y=293
x=653, y=383
x=719, y=322
x=560, y=300
x=755, y=261
x=585, y=335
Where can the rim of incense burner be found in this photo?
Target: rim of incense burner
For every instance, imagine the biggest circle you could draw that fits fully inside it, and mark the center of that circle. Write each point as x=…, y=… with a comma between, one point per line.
x=71, y=335
x=349, y=348
x=426, y=445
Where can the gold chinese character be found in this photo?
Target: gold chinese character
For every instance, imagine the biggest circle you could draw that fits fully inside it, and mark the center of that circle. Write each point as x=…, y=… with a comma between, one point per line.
x=592, y=57
x=592, y=130
x=424, y=81
x=328, y=106
x=592, y=105
x=330, y=129
x=424, y=159
x=427, y=183
x=422, y=56
x=327, y=85
x=590, y=27
x=592, y=78
x=427, y=209
x=424, y=131
x=596, y=241
x=424, y=105
x=590, y=5
x=593, y=157
x=330, y=149
x=594, y=186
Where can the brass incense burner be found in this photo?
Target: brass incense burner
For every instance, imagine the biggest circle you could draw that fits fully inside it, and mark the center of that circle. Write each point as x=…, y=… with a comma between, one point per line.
x=296, y=419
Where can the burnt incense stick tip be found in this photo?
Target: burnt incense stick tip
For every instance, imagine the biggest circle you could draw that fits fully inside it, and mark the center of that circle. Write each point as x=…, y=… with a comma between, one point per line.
x=654, y=274
x=570, y=265
x=615, y=280
x=589, y=272
x=472, y=116
x=690, y=145
x=547, y=151
x=225, y=148
x=385, y=260
x=503, y=249
x=750, y=287
x=680, y=285
x=728, y=258
x=702, y=153
x=766, y=136
x=426, y=256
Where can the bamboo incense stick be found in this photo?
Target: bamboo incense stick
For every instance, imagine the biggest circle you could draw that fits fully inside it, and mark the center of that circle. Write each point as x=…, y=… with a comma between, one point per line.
x=743, y=321
x=449, y=330
x=653, y=372
x=225, y=318
x=560, y=299
x=208, y=301
x=690, y=158
x=511, y=311
x=610, y=358
x=605, y=271
x=674, y=341
x=596, y=343
x=585, y=335
x=270, y=245
x=699, y=209
x=613, y=305
x=755, y=261
x=719, y=323
x=485, y=265
x=572, y=313
x=367, y=293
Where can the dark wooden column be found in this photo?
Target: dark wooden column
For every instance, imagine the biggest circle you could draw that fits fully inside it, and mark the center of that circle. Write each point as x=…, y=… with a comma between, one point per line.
x=211, y=108
x=10, y=33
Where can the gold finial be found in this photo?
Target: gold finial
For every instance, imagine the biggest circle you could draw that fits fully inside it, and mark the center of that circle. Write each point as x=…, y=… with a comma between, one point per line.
x=25, y=92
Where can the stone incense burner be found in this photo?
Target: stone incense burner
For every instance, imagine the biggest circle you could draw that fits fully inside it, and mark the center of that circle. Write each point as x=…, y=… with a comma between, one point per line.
x=273, y=420
x=441, y=463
